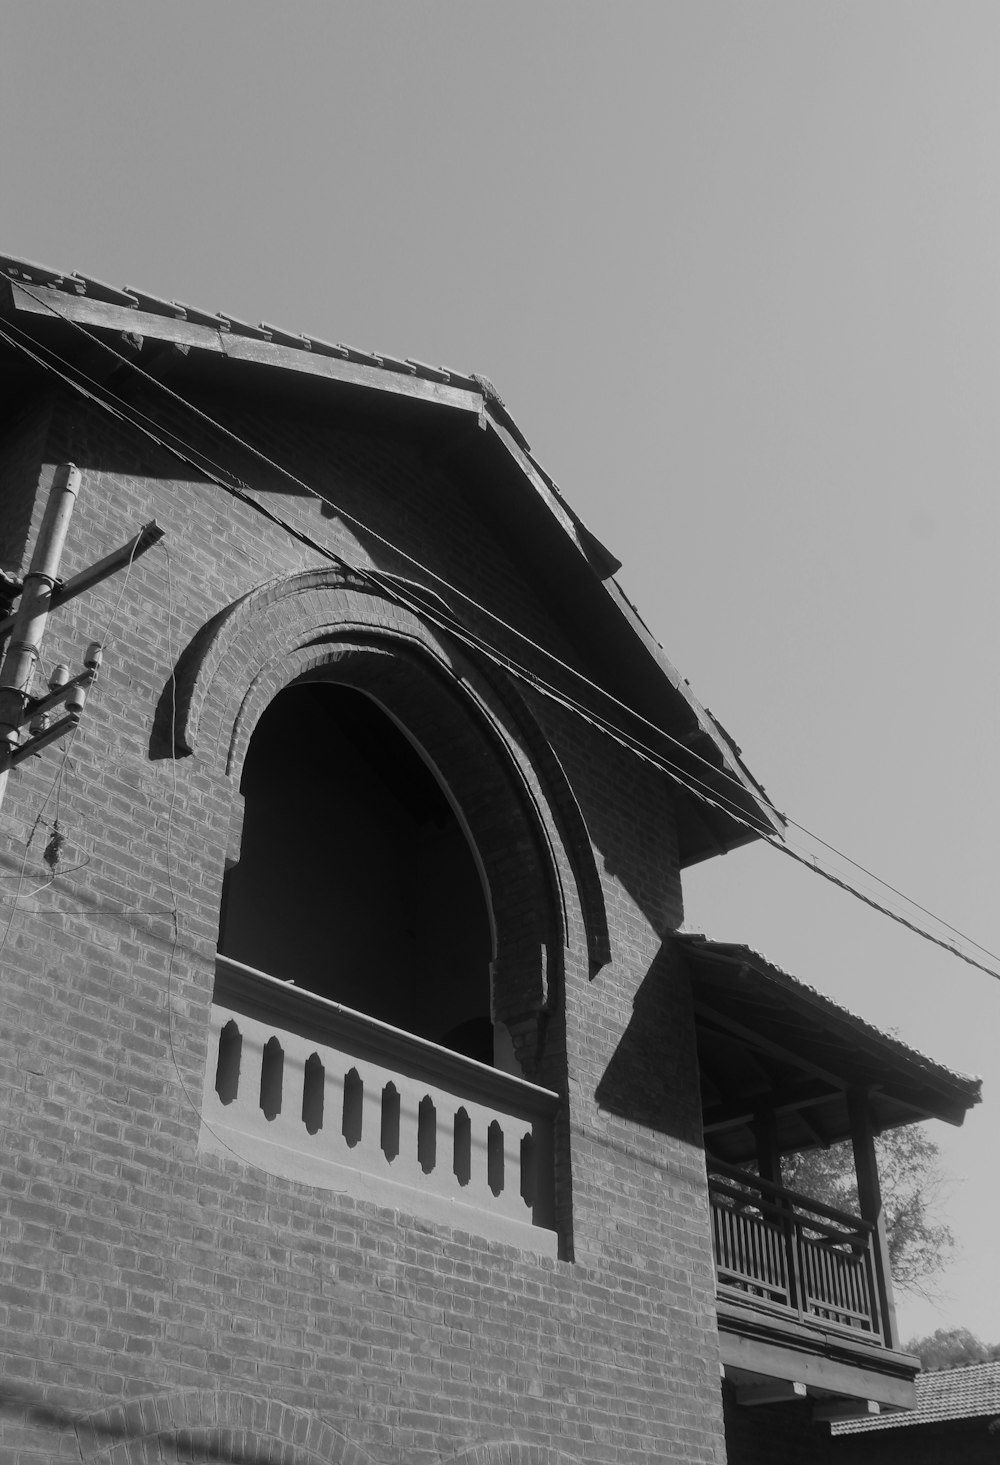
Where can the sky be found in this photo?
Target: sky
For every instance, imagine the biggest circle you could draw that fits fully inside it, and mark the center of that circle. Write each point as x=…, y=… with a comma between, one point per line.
x=733, y=268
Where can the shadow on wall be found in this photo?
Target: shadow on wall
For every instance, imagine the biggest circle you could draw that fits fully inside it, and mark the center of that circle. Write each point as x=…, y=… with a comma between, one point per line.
x=652, y=1078
x=199, y=1426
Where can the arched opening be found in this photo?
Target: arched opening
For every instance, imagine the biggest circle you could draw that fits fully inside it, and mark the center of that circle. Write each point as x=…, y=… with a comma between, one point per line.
x=355, y=878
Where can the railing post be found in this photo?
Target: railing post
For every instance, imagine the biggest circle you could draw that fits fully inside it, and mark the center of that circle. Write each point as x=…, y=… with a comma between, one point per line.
x=870, y=1205
x=765, y=1131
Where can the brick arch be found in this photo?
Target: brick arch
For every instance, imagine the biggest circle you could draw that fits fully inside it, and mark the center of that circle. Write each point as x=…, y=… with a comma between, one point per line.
x=475, y=730
x=209, y=1425
x=509, y=1452
x=500, y=811
x=324, y=625
x=284, y=615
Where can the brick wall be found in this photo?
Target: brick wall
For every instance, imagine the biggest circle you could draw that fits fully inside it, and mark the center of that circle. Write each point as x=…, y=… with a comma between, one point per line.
x=151, y=1293
x=21, y=449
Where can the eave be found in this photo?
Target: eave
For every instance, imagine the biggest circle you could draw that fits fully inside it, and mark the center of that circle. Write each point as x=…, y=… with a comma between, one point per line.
x=719, y=804
x=768, y=1041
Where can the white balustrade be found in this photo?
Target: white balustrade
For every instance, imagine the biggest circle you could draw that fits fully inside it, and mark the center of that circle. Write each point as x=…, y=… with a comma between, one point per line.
x=312, y=1091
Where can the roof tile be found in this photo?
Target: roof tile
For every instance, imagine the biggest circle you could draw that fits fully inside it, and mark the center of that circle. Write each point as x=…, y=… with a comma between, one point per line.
x=952, y=1393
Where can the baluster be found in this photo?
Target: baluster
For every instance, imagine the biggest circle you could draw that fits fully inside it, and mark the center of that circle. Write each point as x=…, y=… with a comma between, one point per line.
x=353, y=1113
x=272, y=1070
x=462, y=1154
x=427, y=1135
x=227, y=1073
x=313, y=1084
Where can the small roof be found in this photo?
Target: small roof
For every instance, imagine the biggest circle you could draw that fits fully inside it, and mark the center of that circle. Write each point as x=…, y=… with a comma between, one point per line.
x=719, y=804
x=952, y=1393
x=767, y=1039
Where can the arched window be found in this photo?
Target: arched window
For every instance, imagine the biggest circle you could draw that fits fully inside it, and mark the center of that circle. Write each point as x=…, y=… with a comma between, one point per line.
x=355, y=877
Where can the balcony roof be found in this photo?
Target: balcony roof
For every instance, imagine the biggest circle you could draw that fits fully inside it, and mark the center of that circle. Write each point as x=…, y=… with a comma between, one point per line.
x=767, y=1040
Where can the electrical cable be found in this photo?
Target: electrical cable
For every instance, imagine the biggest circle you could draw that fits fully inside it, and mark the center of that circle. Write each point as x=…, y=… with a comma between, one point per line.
x=352, y=520
x=192, y=455
x=204, y=465
x=362, y=527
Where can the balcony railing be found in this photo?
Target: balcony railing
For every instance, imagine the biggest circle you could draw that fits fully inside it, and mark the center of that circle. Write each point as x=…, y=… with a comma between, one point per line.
x=779, y=1251
x=315, y=1092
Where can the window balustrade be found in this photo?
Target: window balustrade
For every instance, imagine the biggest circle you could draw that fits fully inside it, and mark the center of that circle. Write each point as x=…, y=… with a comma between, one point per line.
x=313, y=1091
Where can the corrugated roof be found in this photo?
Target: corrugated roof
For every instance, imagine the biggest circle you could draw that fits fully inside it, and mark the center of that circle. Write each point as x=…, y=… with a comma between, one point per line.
x=953, y=1393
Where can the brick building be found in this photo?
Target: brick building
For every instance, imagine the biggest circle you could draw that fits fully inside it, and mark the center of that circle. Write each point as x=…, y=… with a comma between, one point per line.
x=357, y=1086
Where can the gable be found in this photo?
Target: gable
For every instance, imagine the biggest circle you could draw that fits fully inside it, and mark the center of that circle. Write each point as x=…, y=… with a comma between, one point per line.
x=176, y=356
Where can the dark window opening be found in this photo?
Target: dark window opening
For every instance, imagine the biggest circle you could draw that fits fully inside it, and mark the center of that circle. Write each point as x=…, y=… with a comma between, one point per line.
x=355, y=878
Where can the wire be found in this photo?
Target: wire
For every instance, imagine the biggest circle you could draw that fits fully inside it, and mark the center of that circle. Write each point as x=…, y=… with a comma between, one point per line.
x=192, y=456
x=359, y=524
x=692, y=785
x=198, y=460
x=817, y=869
x=885, y=884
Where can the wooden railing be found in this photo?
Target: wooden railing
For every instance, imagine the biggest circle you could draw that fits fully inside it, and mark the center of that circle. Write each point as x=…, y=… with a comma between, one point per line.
x=778, y=1250
x=313, y=1091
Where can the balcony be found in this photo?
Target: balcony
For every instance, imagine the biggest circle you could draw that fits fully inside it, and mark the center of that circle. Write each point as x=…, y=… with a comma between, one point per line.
x=804, y=1300
x=783, y=1253
x=804, y=1292
x=312, y=1091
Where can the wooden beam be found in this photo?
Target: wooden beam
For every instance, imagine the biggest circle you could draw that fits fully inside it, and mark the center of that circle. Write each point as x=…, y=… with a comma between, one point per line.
x=870, y=1205
x=831, y=1375
x=99, y=365
x=765, y=1134
x=776, y=1391
x=832, y=1409
x=789, y=1056
x=57, y=305
x=817, y=1134
x=786, y=1100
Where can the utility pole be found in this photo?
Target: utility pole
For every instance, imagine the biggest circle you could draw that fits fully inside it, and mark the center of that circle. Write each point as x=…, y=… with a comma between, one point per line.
x=41, y=592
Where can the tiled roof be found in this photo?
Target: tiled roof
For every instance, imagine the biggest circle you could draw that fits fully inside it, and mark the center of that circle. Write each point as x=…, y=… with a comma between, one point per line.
x=953, y=1393
x=826, y=1008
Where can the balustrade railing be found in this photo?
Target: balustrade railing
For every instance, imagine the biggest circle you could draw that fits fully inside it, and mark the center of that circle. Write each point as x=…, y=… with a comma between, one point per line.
x=317, y=1092
x=776, y=1249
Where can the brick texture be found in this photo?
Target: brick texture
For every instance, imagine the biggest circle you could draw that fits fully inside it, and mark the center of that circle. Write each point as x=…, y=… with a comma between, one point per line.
x=157, y=1302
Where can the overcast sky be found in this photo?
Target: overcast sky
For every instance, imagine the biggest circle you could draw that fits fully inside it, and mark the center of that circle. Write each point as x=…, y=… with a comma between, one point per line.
x=733, y=267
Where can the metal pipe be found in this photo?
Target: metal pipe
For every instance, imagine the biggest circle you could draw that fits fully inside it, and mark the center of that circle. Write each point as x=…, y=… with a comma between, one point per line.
x=32, y=613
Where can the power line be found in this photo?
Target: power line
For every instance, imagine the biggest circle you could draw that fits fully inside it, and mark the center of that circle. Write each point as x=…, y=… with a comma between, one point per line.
x=359, y=524
x=219, y=474
x=199, y=460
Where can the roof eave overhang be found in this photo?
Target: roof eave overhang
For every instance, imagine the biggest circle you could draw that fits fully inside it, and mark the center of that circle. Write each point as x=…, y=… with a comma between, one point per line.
x=720, y=805
x=737, y=992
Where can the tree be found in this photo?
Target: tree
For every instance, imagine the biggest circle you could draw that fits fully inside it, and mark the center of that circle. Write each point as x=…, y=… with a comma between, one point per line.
x=952, y=1348
x=912, y=1181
